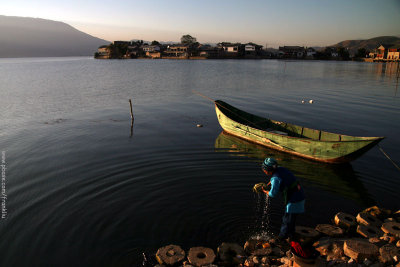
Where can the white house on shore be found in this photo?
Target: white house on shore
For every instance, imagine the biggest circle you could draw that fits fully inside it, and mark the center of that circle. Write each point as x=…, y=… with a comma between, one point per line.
x=231, y=48
x=393, y=54
x=151, y=48
x=310, y=52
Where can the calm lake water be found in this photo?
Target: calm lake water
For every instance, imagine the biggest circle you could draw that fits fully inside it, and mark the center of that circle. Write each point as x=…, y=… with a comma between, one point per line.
x=83, y=189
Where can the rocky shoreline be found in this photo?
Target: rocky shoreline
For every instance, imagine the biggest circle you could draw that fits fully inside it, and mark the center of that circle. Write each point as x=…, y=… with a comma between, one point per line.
x=372, y=238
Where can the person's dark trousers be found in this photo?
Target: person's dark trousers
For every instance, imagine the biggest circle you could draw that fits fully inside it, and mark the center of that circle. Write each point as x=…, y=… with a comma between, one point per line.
x=288, y=225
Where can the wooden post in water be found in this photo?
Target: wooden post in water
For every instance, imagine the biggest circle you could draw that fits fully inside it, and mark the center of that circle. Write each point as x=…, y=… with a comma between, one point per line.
x=130, y=103
x=397, y=78
x=132, y=118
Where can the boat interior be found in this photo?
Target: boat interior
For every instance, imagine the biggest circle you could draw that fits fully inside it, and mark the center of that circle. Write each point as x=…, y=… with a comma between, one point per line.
x=281, y=128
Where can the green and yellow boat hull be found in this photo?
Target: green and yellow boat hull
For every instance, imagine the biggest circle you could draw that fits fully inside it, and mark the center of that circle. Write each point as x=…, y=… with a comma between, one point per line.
x=297, y=140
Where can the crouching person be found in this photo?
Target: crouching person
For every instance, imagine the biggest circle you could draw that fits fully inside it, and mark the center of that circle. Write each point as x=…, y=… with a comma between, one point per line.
x=283, y=181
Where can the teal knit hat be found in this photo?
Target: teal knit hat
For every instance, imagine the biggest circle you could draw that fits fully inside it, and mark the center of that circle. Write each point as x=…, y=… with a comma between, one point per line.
x=270, y=164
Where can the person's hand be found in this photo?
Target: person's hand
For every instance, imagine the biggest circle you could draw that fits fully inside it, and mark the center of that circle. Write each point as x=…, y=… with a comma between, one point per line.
x=265, y=191
x=259, y=187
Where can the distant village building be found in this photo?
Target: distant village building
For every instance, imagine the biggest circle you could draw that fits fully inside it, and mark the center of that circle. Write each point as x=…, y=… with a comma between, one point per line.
x=179, y=51
x=133, y=51
x=385, y=53
x=154, y=54
x=209, y=51
x=310, y=52
x=332, y=51
x=251, y=49
x=230, y=49
x=292, y=51
x=381, y=52
x=393, y=54
x=151, y=48
x=103, y=52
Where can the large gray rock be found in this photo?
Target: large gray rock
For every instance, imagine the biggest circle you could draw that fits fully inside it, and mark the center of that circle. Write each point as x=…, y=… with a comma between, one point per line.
x=360, y=250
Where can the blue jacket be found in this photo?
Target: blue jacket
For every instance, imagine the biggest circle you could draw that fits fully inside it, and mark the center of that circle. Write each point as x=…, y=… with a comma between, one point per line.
x=284, y=181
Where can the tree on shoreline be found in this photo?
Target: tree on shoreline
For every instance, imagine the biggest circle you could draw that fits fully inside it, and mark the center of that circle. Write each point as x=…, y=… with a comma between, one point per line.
x=361, y=53
x=343, y=53
x=188, y=40
x=117, y=51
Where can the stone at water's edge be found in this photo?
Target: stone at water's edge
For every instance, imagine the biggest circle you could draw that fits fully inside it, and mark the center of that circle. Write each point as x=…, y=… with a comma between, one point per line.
x=278, y=252
x=345, y=220
x=377, y=250
x=255, y=247
x=377, y=241
x=368, y=220
x=369, y=231
x=388, y=253
x=330, y=247
x=392, y=228
x=329, y=230
x=396, y=215
x=360, y=250
x=199, y=256
x=171, y=254
x=262, y=252
x=306, y=233
x=230, y=254
x=380, y=213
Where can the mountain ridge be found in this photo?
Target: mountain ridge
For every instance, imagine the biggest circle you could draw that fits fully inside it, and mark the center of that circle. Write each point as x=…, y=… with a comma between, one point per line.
x=37, y=37
x=370, y=44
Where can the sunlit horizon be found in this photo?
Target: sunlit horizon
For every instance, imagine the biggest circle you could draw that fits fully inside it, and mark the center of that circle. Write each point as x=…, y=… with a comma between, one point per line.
x=268, y=23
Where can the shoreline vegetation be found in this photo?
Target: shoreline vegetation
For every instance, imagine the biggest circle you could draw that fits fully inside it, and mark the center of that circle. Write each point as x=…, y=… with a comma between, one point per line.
x=189, y=48
x=371, y=238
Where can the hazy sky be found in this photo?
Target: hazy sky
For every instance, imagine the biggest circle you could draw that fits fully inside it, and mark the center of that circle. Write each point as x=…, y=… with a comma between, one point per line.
x=272, y=22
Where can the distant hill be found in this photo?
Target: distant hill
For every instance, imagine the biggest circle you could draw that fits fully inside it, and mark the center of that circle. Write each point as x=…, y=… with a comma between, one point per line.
x=370, y=44
x=33, y=37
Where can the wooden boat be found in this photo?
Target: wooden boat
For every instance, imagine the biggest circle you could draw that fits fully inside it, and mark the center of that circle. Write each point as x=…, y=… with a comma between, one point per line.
x=297, y=140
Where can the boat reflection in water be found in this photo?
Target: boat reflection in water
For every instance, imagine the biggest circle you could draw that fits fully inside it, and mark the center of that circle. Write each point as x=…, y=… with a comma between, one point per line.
x=338, y=179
